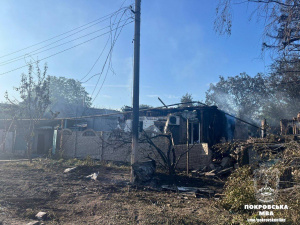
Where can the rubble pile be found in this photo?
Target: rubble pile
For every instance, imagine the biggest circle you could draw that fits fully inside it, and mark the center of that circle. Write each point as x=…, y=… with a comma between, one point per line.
x=232, y=155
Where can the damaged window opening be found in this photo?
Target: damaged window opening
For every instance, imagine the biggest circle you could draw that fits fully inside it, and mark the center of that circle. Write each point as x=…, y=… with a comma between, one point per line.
x=194, y=133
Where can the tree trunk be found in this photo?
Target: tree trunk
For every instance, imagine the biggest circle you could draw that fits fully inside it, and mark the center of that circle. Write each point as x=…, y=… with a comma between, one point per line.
x=172, y=175
x=29, y=150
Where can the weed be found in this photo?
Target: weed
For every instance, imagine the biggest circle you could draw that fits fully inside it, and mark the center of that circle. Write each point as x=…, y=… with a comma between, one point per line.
x=239, y=190
x=88, y=161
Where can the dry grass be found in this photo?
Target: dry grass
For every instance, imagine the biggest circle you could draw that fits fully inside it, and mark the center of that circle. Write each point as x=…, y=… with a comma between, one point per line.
x=26, y=189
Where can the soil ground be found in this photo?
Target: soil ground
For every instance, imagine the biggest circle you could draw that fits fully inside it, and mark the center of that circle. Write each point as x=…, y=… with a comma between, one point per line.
x=26, y=189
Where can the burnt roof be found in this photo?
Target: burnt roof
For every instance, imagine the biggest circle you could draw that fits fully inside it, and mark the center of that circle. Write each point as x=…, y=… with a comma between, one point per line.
x=166, y=111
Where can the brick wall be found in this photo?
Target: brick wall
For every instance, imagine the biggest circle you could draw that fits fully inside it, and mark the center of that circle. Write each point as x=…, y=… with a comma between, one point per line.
x=199, y=156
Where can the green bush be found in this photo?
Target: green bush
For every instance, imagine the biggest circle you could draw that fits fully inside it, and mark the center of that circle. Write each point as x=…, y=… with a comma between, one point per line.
x=239, y=190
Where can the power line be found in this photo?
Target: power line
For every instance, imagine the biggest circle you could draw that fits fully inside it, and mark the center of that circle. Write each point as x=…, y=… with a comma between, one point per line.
x=22, y=56
x=101, y=53
x=63, y=50
x=90, y=78
x=108, y=57
x=108, y=66
x=129, y=7
x=108, y=16
x=105, y=48
x=94, y=66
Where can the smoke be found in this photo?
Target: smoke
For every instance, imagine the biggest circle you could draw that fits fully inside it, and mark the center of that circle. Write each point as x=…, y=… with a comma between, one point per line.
x=225, y=102
x=230, y=127
x=64, y=109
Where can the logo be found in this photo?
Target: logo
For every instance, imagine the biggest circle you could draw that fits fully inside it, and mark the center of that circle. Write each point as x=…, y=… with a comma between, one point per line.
x=266, y=183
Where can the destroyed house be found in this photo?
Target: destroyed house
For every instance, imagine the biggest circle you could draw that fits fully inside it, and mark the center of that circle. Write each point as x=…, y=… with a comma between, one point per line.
x=195, y=124
x=95, y=136
x=290, y=126
x=81, y=118
x=14, y=133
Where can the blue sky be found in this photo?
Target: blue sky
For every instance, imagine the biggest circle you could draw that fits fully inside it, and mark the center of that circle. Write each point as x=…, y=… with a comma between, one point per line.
x=180, y=51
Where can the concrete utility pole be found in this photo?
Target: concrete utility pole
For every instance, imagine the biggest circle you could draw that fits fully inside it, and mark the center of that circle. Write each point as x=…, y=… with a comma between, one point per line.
x=136, y=84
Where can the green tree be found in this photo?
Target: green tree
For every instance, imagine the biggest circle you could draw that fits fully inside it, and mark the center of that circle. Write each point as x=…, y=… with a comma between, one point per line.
x=144, y=106
x=241, y=95
x=129, y=108
x=8, y=111
x=284, y=92
x=186, y=99
x=281, y=20
x=68, y=91
x=34, y=92
x=275, y=96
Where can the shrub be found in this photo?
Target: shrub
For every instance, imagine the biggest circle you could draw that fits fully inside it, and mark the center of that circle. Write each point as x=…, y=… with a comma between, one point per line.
x=239, y=190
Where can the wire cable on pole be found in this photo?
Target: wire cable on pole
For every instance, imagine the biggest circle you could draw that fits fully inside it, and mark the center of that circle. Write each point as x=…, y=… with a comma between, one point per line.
x=110, y=53
x=101, y=53
x=106, y=17
x=62, y=50
x=30, y=53
x=108, y=56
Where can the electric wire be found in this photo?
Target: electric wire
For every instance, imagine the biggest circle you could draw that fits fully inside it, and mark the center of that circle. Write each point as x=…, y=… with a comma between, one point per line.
x=101, y=53
x=108, y=56
x=105, y=47
x=62, y=50
x=113, y=41
x=108, y=17
x=116, y=36
x=30, y=53
x=90, y=78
